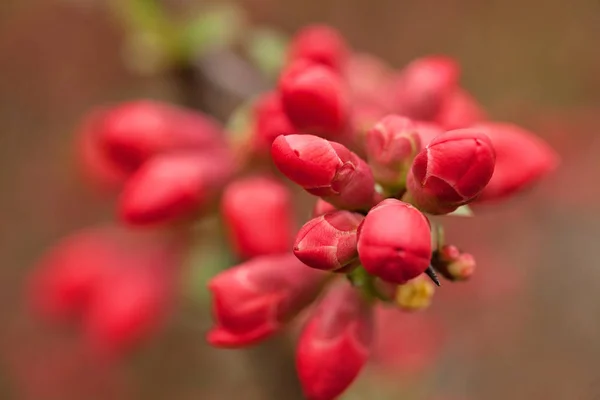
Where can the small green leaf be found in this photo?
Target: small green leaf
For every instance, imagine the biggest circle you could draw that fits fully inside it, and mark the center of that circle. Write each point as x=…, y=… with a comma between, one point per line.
x=240, y=121
x=216, y=27
x=267, y=50
x=463, y=211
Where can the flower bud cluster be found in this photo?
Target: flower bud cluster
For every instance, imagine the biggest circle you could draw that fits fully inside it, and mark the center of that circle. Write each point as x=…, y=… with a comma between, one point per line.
x=381, y=150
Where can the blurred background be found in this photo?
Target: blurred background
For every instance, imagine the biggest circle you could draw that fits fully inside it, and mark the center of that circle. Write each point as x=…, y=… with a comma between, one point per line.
x=526, y=327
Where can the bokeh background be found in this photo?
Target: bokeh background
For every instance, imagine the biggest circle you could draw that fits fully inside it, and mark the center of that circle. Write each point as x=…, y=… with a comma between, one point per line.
x=527, y=326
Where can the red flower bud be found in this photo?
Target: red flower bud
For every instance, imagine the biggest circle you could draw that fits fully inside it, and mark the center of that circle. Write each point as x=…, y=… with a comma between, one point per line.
x=128, y=308
x=451, y=171
x=133, y=132
x=521, y=160
x=96, y=165
x=80, y=266
x=254, y=300
x=326, y=169
x=335, y=343
x=452, y=264
x=250, y=205
x=406, y=344
x=320, y=44
x=460, y=110
x=314, y=99
x=322, y=207
x=173, y=186
x=391, y=146
x=369, y=81
x=69, y=273
x=424, y=86
x=328, y=242
x=270, y=121
x=394, y=242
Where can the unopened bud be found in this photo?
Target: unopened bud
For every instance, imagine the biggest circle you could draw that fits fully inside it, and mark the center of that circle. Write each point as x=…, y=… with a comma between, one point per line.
x=452, y=264
x=325, y=169
x=328, y=242
x=391, y=146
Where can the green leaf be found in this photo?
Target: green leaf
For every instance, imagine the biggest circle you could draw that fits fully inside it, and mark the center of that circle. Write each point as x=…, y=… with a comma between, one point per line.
x=152, y=41
x=216, y=27
x=206, y=258
x=240, y=121
x=267, y=50
x=463, y=211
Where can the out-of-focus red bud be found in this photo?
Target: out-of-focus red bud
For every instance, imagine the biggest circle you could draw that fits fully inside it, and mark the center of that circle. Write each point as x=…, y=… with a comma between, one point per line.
x=67, y=276
x=322, y=207
x=427, y=131
x=75, y=270
x=96, y=165
x=259, y=214
x=460, y=110
x=270, y=121
x=394, y=242
x=406, y=344
x=451, y=171
x=424, y=86
x=133, y=132
x=369, y=82
x=173, y=186
x=314, y=99
x=328, y=242
x=254, y=300
x=335, y=343
x=391, y=146
x=326, y=169
x=452, y=264
x=321, y=44
x=521, y=160
x=128, y=309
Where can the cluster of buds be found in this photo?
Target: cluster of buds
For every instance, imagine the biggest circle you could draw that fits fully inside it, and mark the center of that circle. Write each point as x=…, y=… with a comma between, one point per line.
x=381, y=150
x=168, y=166
x=116, y=284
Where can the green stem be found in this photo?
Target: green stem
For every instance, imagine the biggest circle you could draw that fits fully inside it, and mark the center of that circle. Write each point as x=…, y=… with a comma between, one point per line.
x=365, y=282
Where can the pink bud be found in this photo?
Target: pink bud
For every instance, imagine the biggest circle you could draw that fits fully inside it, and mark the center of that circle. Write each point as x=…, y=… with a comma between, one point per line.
x=391, y=146
x=270, y=121
x=335, y=343
x=326, y=169
x=170, y=187
x=248, y=206
x=328, y=242
x=424, y=86
x=321, y=44
x=314, y=99
x=460, y=110
x=322, y=207
x=394, y=242
x=133, y=132
x=254, y=300
x=453, y=264
x=521, y=160
x=451, y=171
